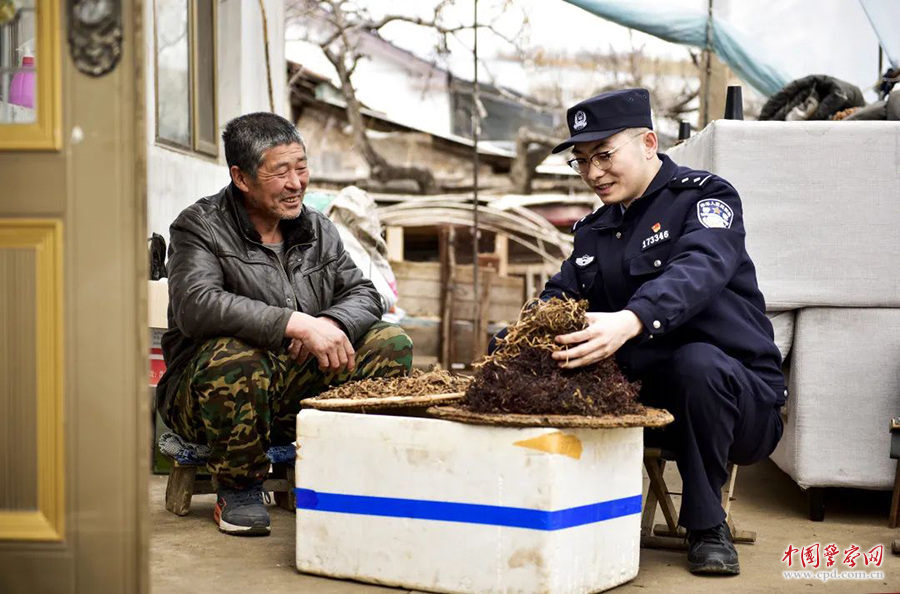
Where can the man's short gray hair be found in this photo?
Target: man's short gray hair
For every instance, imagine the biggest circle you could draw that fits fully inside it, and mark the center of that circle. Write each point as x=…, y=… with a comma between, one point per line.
x=249, y=136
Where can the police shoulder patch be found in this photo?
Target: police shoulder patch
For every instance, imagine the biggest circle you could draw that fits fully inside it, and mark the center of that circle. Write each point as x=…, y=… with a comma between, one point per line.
x=714, y=214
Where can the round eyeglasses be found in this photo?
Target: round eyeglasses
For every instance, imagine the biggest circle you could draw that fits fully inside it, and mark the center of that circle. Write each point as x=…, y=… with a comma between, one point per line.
x=602, y=161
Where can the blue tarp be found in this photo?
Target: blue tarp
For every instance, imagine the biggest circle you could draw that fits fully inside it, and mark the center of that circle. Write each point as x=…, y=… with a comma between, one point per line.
x=688, y=27
x=319, y=200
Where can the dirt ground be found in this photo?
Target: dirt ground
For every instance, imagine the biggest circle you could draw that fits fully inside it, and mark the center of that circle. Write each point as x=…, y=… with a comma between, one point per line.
x=189, y=554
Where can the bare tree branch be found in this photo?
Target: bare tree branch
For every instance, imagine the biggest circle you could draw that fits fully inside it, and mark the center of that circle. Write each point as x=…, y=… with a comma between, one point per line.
x=342, y=54
x=506, y=94
x=347, y=24
x=353, y=64
x=531, y=149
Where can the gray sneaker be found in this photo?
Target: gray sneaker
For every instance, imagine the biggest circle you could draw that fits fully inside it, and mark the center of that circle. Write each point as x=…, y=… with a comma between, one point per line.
x=243, y=512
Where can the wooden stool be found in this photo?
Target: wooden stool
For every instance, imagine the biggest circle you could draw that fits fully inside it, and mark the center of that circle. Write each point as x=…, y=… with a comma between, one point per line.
x=670, y=535
x=183, y=484
x=894, y=518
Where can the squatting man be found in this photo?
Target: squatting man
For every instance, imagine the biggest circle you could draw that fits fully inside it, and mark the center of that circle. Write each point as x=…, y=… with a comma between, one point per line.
x=266, y=308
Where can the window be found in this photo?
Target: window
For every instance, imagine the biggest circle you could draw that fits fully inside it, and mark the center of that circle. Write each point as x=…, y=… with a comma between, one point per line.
x=186, y=74
x=17, y=65
x=30, y=85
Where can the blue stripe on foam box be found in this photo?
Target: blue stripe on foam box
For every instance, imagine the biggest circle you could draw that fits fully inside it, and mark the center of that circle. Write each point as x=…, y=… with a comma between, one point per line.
x=468, y=513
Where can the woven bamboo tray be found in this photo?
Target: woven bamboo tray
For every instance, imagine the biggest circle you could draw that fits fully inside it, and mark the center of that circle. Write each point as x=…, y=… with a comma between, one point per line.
x=364, y=404
x=651, y=417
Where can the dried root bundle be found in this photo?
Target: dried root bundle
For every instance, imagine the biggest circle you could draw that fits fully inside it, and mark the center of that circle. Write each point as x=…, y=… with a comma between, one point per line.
x=417, y=383
x=540, y=322
x=521, y=377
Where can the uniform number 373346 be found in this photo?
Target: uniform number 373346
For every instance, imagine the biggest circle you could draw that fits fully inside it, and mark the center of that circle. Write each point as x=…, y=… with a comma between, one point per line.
x=655, y=238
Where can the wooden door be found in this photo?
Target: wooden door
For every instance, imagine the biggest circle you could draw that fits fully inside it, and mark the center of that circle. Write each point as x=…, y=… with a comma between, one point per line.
x=74, y=433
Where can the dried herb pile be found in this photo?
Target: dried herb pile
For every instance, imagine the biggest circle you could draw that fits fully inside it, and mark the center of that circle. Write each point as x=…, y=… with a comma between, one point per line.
x=521, y=377
x=417, y=383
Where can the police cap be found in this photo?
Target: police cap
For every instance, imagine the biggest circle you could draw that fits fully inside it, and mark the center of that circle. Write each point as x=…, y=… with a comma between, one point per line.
x=606, y=114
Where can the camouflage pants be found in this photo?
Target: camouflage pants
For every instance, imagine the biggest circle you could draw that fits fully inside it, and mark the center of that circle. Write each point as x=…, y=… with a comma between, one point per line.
x=240, y=399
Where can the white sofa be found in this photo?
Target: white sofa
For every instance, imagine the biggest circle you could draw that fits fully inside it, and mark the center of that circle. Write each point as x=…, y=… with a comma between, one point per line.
x=822, y=211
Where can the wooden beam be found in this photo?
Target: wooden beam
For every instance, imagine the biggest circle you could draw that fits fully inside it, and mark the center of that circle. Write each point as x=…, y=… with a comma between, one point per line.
x=728, y=489
x=529, y=286
x=180, y=489
x=655, y=469
x=664, y=542
x=713, y=90
x=501, y=250
x=447, y=253
x=421, y=291
x=649, y=513
x=394, y=238
x=479, y=340
x=738, y=536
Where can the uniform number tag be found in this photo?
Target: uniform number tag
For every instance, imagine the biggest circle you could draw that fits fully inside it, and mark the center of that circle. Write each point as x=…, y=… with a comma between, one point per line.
x=654, y=239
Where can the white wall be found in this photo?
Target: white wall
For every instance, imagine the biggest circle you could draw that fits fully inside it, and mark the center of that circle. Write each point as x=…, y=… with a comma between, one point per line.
x=388, y=79
x=176, y=178
x=406, y=89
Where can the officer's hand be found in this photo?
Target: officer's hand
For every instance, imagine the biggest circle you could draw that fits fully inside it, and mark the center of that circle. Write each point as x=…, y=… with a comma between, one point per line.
x=605, y=334
x=322, y=338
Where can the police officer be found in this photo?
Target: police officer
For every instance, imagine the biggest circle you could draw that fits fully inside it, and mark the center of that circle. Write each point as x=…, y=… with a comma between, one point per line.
x=674, y=296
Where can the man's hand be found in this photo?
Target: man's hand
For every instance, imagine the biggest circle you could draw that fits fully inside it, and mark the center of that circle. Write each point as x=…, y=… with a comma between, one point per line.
x=605, y=334
x=322, y=338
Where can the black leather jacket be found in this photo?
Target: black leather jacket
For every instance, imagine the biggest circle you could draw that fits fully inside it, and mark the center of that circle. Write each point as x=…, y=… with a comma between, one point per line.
x=224, y=282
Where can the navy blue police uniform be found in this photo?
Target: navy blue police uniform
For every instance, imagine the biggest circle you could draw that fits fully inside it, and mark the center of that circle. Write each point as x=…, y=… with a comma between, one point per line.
x=676, y=258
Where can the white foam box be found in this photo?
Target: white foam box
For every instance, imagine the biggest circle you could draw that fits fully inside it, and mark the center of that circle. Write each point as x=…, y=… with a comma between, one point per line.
x=447, y=507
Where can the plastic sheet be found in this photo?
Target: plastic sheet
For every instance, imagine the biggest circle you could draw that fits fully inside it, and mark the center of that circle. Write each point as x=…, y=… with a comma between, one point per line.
x=688, y=27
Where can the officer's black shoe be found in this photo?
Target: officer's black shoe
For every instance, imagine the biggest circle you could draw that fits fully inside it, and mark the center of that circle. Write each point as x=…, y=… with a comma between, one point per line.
x=712, y=551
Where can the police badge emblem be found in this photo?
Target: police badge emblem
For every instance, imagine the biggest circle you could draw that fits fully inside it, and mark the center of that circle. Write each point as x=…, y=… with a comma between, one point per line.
x=580, y=120
x=714, y=214
x=584, y=260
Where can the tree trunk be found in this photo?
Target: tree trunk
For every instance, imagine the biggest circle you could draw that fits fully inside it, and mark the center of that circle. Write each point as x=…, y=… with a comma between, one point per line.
x=527, y=158
x=379, y=168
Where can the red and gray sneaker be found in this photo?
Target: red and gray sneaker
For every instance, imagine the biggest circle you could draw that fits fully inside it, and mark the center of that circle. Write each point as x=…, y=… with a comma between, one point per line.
x=243, y=512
